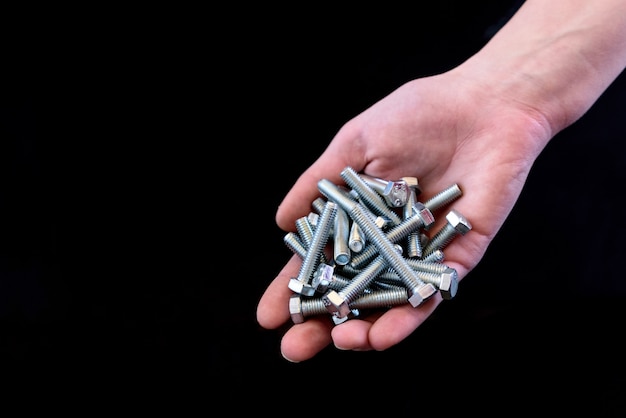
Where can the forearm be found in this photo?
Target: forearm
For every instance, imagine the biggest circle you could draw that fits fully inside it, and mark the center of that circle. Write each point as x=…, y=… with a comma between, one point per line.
x=555, y=57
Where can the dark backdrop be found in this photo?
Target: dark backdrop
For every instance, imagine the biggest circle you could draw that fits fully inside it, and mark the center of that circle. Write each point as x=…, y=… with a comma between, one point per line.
x=134, y=253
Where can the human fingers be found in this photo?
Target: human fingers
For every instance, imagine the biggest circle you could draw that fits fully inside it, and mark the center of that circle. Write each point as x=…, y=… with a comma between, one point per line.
x=273, y=307
x=303, y=341
x=385, y=330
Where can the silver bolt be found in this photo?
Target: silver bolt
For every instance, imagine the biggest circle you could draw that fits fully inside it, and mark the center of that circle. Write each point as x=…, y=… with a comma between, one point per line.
x=446, y=280
x=456, y=224
x=311, y=261
x=301, y=308
x=338, y=303
x=370, y=198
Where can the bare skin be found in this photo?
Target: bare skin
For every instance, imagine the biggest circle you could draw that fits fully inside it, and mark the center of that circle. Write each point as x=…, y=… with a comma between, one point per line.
x=481, y=125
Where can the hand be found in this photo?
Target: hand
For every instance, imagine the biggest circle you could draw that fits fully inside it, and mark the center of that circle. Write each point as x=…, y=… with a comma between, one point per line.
x=444, y=129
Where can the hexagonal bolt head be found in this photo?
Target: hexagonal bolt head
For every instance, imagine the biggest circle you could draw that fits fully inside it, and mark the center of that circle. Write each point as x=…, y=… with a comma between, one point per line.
x=425, y=214
x=458, y=222
x=412, y=183
x=336, y=304
x=449, y=283
x=396, y=193
x=301, y=288
x=419, y=294
x=322, y=277
x=295, y=309
x=382, y=222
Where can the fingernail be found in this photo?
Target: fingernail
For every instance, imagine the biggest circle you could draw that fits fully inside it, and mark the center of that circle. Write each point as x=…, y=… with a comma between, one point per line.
x=287, y=358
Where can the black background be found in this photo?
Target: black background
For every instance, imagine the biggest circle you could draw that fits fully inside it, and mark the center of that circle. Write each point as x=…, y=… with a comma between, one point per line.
x=137, y=238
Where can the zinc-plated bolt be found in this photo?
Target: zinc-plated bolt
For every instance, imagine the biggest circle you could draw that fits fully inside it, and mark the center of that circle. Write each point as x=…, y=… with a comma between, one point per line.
x=457, y=225
x=301, y=284
x=418, y=290
x=447, y=280
x=301, y=308
x=370, y=198
x=338, y=303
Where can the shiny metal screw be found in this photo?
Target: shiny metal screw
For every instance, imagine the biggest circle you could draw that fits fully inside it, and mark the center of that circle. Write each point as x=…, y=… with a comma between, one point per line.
x=370, y=198
x=456, y=224
x=338, y=302
x=301, y=284
x=301, y=308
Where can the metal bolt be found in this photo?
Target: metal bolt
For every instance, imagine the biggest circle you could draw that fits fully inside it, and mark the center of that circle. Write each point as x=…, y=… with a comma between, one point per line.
x=311, y=261
x=357, y=239
x=338, y=302
x=456, y=224
x=301, y=308
x=370, y=198
x=446, y=280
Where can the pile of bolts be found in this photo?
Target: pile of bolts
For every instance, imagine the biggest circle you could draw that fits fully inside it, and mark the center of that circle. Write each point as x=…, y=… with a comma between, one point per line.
x=382, y=256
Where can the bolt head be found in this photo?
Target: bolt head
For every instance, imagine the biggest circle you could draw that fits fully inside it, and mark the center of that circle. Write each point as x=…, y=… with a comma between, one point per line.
x=458, y=222
x=336, y=304
x=419, y=294
x=428, y=219
x=322, y=277
x=449, y=283
x=396, y=193
x=295, y=309
x=415, y=299
x=301, y=288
